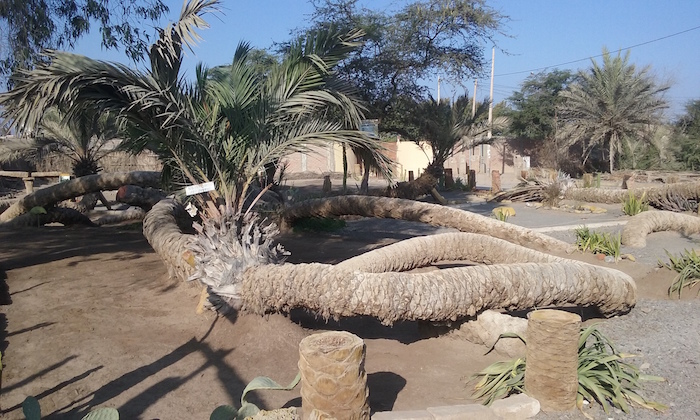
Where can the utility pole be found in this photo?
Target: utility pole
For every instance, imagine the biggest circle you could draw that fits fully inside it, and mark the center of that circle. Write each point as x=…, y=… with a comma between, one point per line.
x=474, y=101
x=493, y=57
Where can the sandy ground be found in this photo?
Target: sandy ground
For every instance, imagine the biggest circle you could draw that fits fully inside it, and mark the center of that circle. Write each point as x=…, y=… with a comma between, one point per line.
x=89, y=318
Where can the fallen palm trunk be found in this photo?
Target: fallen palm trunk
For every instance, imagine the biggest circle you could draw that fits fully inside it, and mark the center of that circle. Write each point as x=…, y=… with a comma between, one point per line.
x=63, y=215
x=435, y=215
x=638, y=227
x=673, y=197
x=77, y=187
x=161, y=229
x=422, y=251
x=441, y=295
x=119, y=216
x=134, y=195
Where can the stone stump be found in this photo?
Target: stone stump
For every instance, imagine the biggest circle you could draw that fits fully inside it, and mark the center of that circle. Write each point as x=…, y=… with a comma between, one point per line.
x=333, y=377
x=552, y=358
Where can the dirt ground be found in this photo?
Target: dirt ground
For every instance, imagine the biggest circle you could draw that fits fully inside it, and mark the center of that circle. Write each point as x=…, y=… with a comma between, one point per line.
x=89, y=318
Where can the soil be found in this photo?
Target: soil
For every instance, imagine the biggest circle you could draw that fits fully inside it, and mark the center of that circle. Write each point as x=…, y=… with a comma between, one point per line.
x=89, y=318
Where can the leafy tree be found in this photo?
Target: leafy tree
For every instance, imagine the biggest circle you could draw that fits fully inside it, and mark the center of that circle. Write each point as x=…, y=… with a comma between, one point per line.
x=422, y=39
x=687, y=137
x=610, y=104
x=31, y=26
x=83, y=139
x=534, y=117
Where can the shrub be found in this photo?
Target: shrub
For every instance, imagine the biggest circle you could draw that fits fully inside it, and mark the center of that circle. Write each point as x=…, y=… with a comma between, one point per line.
x=687, y=265
x=602, y=376
x=598, y=243
x=634, y=205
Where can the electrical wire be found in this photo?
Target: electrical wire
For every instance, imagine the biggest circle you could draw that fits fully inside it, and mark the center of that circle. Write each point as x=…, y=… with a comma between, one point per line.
x=599, y=55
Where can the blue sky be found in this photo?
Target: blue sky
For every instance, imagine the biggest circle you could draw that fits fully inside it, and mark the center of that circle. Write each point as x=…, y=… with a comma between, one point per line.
x=544, y=34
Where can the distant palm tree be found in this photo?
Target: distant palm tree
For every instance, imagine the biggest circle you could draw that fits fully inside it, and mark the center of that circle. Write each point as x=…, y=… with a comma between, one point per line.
x=449, y=128
x=610, y=104
x=83, y=139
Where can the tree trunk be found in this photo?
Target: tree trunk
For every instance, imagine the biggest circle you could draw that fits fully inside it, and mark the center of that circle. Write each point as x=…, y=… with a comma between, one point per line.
x=333, y=377
x=551, y=370
x=77, y=187
x=636, y=230
x=393, y=208
x=134, y=195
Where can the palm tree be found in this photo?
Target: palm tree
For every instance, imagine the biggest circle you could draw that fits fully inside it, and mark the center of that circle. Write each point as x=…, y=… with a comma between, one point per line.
x=609, y=104
x=449, y=129
x=84, y=140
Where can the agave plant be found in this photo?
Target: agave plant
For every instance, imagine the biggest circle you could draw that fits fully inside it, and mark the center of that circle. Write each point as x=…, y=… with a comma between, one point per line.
x=603, y=376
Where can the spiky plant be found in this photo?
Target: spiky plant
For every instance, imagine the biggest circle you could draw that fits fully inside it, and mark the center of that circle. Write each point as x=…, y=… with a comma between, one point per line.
x=603, y=376
x=634, y=205
x=687, y=265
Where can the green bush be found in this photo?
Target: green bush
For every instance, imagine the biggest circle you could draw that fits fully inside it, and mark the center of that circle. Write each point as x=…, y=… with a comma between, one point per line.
x=687, y=265
x=634, y=205
x=598, y=243
x=602, y=376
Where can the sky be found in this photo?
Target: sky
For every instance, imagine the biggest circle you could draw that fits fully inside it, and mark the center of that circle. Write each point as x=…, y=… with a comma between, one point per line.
x=540, y=35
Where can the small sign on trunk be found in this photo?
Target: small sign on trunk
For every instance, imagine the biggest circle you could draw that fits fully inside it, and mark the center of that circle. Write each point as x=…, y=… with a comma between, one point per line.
x=199, y=188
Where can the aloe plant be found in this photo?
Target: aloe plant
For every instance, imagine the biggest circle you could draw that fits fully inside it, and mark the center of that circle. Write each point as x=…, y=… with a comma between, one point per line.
x=688, y=267
x=634, y=205
x=598, y=243
x=603, y=376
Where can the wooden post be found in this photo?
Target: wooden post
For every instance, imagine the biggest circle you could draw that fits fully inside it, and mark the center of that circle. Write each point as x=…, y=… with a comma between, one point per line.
x=410, y=176
x=28, y=184
x=449, y=180
x=587, y=180
x=552, y=358
x=327, y=184
x=472, y=180
x=495, y=181
x=333, y=377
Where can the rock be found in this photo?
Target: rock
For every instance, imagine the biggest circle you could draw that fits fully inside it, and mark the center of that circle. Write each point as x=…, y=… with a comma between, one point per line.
x=489, y=325
x=460, y=412
x=516, y=407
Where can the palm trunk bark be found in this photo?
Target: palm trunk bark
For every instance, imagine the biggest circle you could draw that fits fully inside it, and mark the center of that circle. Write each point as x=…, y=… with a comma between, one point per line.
x=440, y=295
x=674, y=197
x=78, y=187
x=435, y=215
x=636, y=230
x=164, y=233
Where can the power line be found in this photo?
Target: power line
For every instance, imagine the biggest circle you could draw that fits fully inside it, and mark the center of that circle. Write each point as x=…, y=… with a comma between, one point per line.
x=599, y=55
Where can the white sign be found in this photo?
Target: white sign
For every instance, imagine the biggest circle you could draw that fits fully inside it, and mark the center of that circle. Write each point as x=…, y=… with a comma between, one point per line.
x=199, y=188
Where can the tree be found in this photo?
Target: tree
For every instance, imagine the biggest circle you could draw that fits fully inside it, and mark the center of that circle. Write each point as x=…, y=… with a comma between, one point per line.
x=421, y=40
x=31, y=26
x=83, y=139
x=610, y=104
x=448, y=129
x=687, y=137
x=534, y=116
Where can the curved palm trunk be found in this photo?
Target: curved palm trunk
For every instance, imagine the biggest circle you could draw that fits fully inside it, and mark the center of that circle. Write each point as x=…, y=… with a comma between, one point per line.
x=674, y=197
x=345, y=290
x=440, y=295
x=425, y=184
x=636, y=230
x=78, y=187
x=161, y=229
x=425, y=250
x=435, y=215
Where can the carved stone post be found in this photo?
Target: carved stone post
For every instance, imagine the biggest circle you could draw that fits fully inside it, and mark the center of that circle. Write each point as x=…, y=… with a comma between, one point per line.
x=552, y=358
x=333, y=377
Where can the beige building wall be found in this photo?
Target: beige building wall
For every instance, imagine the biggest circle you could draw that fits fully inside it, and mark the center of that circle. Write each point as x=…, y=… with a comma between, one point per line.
x=411, y=157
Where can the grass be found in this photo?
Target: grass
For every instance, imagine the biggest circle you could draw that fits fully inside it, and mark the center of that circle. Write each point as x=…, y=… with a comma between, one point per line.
x=598, y=243
x=634, y=205
x=603, y=376
x=687, y=265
